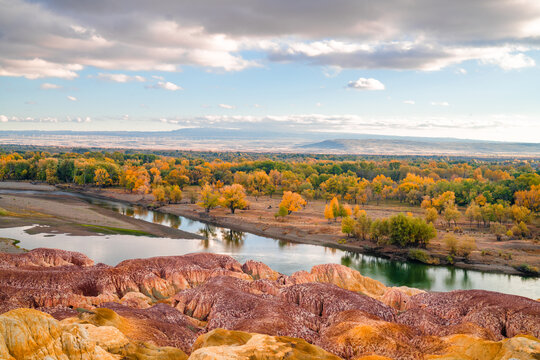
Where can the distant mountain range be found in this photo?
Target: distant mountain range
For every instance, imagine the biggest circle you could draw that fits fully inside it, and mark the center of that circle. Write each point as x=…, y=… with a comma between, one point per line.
x=277, y=140
x=424, y=146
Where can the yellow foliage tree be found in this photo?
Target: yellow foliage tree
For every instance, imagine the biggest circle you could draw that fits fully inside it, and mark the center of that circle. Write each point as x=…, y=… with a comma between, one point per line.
x=174, y=193
x=209, y=198
x=233, y=197
x=159, y=193
x=292, y=202
x=102, y=177
x=328, y=213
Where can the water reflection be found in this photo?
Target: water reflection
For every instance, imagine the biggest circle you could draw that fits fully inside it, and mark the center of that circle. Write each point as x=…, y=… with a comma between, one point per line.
x=390, y=272
x=234, y=240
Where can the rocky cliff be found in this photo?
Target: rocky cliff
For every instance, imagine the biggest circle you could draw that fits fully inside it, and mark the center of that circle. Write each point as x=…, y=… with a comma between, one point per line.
x=209, y=306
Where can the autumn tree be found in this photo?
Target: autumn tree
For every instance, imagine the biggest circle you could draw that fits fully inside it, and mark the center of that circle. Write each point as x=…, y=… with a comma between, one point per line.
x=233, y=197
x=431, y=215
x=328, y=212
x=174, y=194
x=257, y=182
x=177, y=177
x=473, y=213
x=209, y=198
x=520, y=214
x=292, y=202
x=362, y=226
x=347, y=226
x=101, y=177
x=443, y=201
x=159, y=193
x=451, y=214
x=529, y=199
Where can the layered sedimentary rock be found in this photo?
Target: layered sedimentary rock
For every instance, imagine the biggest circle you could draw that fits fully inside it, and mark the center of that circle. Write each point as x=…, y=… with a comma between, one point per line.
x=222, y=344
x=32, y=335
x=210, y=305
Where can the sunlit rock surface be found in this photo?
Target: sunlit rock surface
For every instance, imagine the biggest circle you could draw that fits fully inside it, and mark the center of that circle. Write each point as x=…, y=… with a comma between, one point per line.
x=222, y=344
x=213, y=307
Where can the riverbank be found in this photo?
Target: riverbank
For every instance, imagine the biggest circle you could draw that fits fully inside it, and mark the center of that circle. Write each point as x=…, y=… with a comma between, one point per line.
x=308, y=227
x=52, y=213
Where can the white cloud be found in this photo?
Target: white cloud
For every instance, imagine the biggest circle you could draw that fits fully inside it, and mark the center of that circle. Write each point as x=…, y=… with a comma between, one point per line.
x=318, y=104
x=409, y=102
x=72, y=98
x=461, y=71
x=165, y=85
x=440, y=103
x=120, y=78
x=48, y=86
x=38, y=68
x=508, y=61
x=366, y=84
x=226, y=106
x=45, y=119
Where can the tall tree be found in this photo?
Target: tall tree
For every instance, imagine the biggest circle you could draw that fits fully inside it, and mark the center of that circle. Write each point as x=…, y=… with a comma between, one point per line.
x=233, y=197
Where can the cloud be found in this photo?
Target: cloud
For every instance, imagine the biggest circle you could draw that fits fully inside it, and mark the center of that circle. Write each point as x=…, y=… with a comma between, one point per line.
x=38, y=68
x=72, y=98
x=225, y=106
x=45, y=119
x=66, y=36
x=120, y=78
x=366, y=84
x=440, y=103
x=461, y=71
x=508, y=61
x=49, y=86
x=507, y=126
x=165, y=85
x=409, y=102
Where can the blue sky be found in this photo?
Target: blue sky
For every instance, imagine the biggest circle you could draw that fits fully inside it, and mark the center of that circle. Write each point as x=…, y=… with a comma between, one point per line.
x=337, y=66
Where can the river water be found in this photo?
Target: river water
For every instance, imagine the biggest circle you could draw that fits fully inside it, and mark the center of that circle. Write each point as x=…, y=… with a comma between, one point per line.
x=282, y=256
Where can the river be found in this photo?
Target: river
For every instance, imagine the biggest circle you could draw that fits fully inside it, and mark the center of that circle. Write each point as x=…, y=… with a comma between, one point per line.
x=282, y=256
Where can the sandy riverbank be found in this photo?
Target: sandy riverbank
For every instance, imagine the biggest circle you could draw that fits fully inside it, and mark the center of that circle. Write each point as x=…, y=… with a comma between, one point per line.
x=309, y=227
x=56, y=213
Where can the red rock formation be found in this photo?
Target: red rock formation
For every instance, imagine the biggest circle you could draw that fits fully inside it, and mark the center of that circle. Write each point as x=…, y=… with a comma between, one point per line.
x=327, y=299
x=169, y=301
x=231, y=303
x=258, y=270
x=501, y=315
x=44, y=258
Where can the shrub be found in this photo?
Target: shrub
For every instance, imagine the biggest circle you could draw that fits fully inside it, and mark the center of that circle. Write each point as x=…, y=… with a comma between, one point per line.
x=451, y=243
x=466, y=245
x=420, y=255
x=528, y=269
x=281, y=213
x=498, y=230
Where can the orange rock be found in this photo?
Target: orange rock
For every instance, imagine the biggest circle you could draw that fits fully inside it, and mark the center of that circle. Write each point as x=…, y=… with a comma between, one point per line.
x=472, y=348
x=355, y=334
x=257, y=270
x=223, y=344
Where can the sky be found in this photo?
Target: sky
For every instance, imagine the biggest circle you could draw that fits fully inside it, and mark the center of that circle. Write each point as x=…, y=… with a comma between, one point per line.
x=462, y=68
